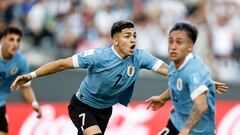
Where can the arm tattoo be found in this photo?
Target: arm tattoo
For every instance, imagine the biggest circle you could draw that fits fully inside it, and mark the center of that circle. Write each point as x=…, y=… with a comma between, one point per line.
x=163, y=69
x=164, y=65
x=194, y=117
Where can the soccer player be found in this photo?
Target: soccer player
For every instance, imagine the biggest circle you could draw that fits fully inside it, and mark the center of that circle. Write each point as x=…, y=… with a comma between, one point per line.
x=111, y=76
x=191, y=87
x=12, y=64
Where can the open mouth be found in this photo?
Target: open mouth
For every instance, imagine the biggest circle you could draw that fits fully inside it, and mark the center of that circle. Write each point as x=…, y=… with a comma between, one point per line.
x=173, y=53
x=133, y=46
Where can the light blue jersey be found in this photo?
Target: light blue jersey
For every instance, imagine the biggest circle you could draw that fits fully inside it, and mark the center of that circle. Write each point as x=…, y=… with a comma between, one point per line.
x=9, y=70
x=110, y=79
x=185, y=84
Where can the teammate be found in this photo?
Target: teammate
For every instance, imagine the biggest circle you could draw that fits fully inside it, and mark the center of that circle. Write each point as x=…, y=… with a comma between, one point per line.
x=111, y=76
x=12, y=64
x=191, y=87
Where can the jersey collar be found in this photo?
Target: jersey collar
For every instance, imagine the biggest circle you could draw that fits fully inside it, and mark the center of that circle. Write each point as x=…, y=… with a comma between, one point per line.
x=187, y=58
x=115, y=52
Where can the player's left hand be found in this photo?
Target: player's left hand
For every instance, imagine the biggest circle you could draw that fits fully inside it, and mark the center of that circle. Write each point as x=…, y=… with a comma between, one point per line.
x=155, y=102
x=19, y=81
x=220, y=87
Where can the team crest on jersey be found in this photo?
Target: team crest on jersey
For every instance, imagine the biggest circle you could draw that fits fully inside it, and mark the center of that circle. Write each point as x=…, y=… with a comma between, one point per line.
x=14, y=70
x=130, y=70
x=179, y=84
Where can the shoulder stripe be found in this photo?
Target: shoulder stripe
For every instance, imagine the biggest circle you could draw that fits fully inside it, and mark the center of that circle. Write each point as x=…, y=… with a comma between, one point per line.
x=198, y=91
x=157, y=65
x=75, y=61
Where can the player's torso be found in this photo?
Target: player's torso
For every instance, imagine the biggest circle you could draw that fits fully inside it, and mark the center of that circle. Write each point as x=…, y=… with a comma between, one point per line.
x=181, y=96
x=110, y=78
x=179, y=90
x=185, y=79
x=112, y=75
x=180, y=84
x=9, y=70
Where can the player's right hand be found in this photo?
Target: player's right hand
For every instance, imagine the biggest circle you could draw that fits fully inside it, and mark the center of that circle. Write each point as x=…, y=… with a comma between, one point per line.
x=155, y=102
x=37, y=109
x=19, y=81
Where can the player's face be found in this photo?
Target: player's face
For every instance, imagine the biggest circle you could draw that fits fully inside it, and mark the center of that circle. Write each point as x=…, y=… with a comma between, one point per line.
x=11, y=44
x=179, y=46
x=125, y=42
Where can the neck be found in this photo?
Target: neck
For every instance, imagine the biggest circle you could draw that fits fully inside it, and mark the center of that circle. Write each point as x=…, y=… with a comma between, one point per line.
x=181, y=62
x=5, y=55
x=119, y=52
x=178, y=63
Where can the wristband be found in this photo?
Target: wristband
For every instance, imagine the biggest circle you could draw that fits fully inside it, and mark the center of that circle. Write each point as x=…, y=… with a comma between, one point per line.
x=35, y=104
x=33, y=74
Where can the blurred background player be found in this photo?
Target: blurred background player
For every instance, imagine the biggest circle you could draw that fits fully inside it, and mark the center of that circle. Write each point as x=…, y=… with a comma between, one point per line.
x=191, y=87
x=12, y=64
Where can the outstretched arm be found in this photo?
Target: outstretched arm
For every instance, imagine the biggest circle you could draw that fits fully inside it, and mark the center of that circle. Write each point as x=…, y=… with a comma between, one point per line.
x=29, y=96
x=163, y=69
x=55, y=66
x=49, y=68
x=200, y=106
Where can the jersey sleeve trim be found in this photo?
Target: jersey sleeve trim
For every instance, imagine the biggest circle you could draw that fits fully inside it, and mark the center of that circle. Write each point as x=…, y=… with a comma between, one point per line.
x=75, y=61
x=198, y=91
x=157, y=65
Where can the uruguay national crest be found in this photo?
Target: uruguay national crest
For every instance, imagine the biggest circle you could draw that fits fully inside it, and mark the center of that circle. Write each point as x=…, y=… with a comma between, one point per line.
x=130, y=70
x=14, y=70
x=179, y=84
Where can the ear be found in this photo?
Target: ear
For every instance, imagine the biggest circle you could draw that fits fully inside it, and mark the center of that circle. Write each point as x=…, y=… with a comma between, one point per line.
x=190, y=48
x=115, y=40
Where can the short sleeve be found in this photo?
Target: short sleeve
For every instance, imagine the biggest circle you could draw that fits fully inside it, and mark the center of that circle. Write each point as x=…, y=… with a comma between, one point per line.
x=196, y=83
x=84, y=59
x=148, y=61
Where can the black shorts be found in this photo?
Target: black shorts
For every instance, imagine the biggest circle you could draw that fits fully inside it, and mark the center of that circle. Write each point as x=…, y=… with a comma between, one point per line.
x=3, y=120
x=84, y=116
x=169, y=130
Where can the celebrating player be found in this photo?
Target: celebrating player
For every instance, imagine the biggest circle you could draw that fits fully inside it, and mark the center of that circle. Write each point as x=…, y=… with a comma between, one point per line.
x=111, y=76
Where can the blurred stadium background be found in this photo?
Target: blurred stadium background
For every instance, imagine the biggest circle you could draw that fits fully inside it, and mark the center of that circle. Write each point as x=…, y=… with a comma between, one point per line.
x=56, y=29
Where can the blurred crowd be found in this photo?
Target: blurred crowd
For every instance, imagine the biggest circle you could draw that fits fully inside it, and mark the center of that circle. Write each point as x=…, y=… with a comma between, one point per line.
x=59, y=28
